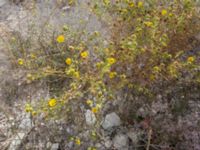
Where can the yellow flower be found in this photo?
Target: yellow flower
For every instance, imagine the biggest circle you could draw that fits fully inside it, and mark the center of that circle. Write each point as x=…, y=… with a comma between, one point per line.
x=140, y=4
x=148, y=23
x=29, y=76
x=89, y=102
x=78, y=141
x=20, y=61
x=170, y=14
x=71, y=47
x=68, y=61
x=99, y=64
x=71, y=71
x=84, y=54
x=99, y=106
x=71, y=2
x=112, y=74
x=60, y=39
x=156, y=69
x=52, y=102
x=164, y=12
x=96, y=33
x=95, y=109
x=106, y=2
x=131, y=4
x=152, y=77
x=111, y=60
x=34, y=113
x=76, y=74
x=71, y=138
x=91, y=148
x=33, y=56
x=65, y=28
x=190, y=59
x=28, y=108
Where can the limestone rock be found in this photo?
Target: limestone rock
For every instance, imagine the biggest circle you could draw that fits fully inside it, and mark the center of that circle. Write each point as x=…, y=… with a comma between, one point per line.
x=90, y=117
x=120, y=142
x=111, y=120
x=55, y=146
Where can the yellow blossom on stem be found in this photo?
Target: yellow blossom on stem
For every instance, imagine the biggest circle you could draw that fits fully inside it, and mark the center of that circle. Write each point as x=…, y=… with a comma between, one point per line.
x=84, y=54
x=52, y=102
x=190, y=59
x=164, y=12
x=95, y=109
x=148, y=23
x=29, y=76
x=60, y=39
x=78, y=141
x=140, y=4
x=156, y=69
x=131, y=4
x=71, y=47
x=76, y=74
x=89, y=102
x=33, y=113
x=170, y=14
x=111, y=60
x=28, y=108
x=112, y=75
x=71, y=71
x=33, y=56
x=99, y=64
x=68, y=61
x=20, y=61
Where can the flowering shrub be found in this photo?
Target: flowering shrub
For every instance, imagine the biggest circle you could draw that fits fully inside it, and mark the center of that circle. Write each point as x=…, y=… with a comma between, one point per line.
x=147, y=40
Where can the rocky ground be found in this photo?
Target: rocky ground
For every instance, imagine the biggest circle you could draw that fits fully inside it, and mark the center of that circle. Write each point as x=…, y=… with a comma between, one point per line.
x=119, y=128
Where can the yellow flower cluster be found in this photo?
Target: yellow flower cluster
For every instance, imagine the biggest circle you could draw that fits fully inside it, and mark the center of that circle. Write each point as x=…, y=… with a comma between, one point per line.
x=28, y=108
x=89, y=102
x=112, y=74
x=73, y=72
x=96, y=108
x=99, y=64
x=148, y=23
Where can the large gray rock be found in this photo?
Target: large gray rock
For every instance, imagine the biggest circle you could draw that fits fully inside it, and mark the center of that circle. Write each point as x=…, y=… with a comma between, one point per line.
x=120, y=142
x=2, y=2
x=111, y=120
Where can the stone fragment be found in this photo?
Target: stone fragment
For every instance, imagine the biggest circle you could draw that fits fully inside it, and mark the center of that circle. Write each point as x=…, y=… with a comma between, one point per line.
x=90, y=117
x=120, y=142
x=111, y=120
